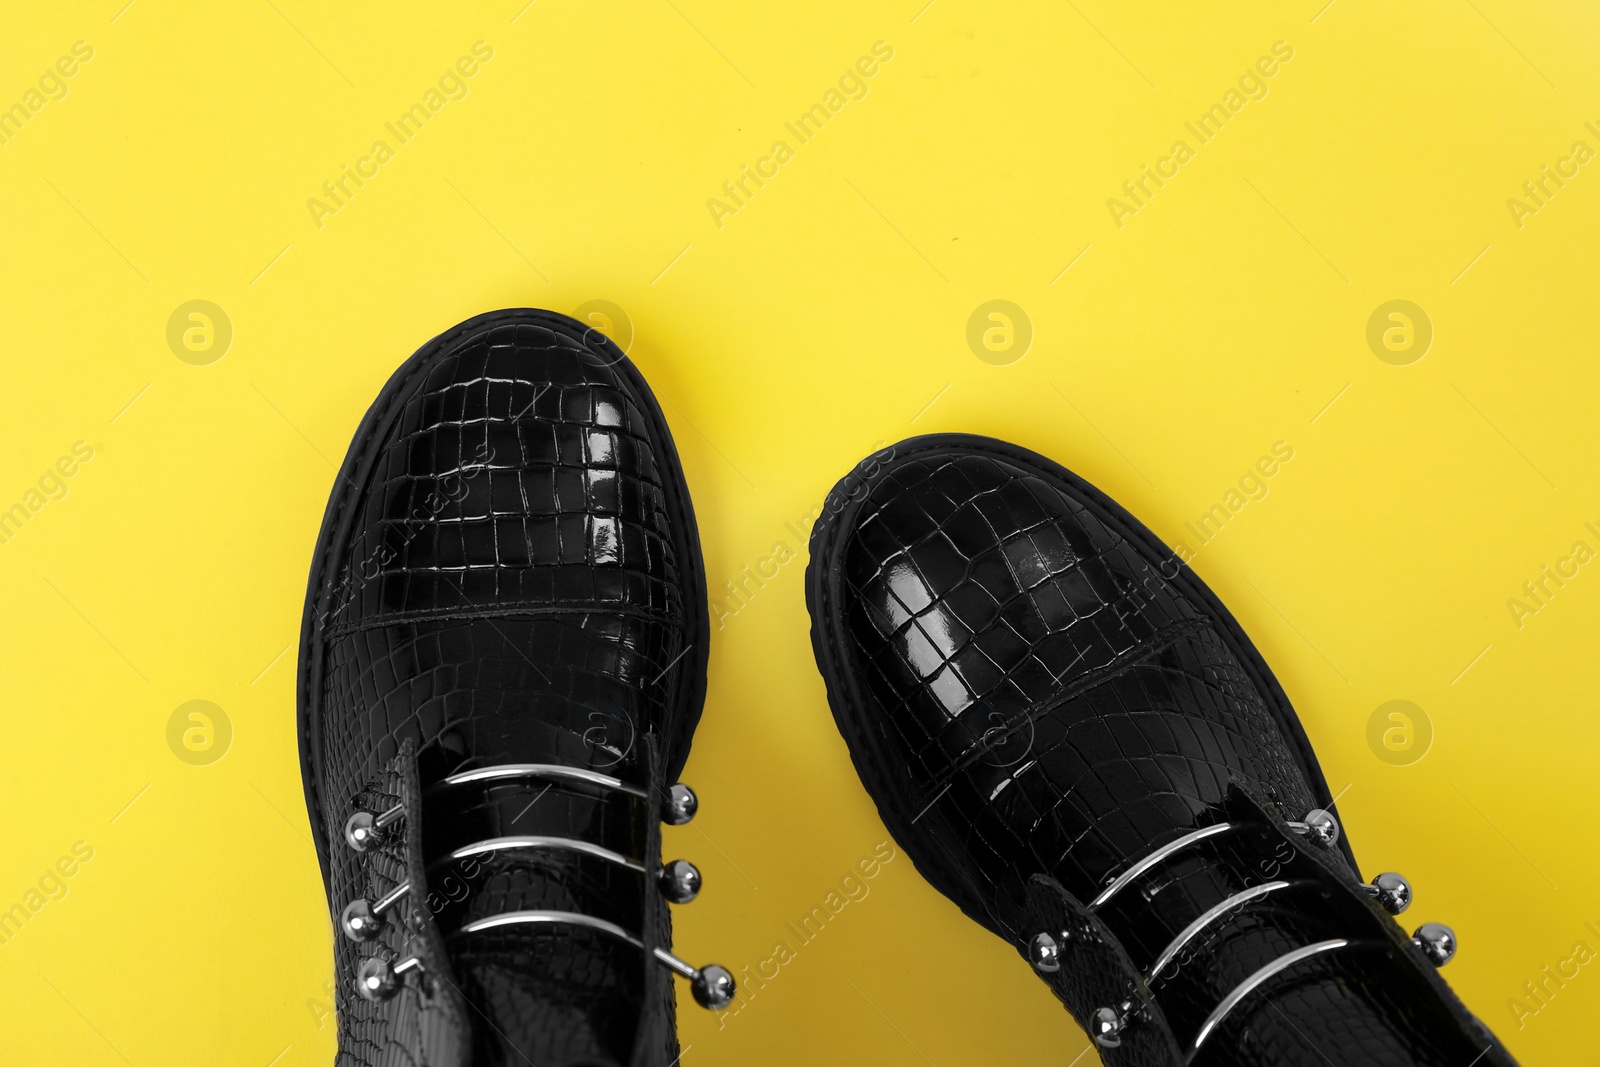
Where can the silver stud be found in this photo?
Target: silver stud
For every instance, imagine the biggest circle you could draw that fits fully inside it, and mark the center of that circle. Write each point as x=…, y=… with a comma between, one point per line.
x=1393, y=892
x=361, y=919
x=376, y=980
x=713, y=987
x=1318, y=825
x=680, y=881
x=359, y=922
x=1044, y=952
x=1105, y=1026
x=681, y=805
x=359, y=831
x=364, y=830
x=1437, y=942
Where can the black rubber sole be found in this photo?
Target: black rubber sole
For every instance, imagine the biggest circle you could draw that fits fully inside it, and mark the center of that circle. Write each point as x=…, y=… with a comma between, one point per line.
x=356, y=472
x=824, y=572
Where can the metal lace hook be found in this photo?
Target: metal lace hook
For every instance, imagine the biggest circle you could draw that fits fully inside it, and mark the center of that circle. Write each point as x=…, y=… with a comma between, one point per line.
x=378, y=979
x=1319, y=825
x=678, y=880
x=1391, y=891
x=364, y=829
x=1254, y=982
x=713, y=985
x=361, y=919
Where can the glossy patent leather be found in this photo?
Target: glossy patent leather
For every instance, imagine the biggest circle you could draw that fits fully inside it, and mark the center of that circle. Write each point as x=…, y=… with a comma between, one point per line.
x=1037, y=695
x=508, y=573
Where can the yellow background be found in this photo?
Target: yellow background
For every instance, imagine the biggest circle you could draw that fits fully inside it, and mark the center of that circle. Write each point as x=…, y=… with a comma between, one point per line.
x=827, y=315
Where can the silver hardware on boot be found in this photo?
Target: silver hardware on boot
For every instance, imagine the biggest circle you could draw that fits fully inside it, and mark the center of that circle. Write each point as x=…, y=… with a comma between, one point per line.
x=1393, y=892
x=535, y=843
x=1255, y=981
x=550, y=771
x=378, y=979
x=364, y=830
x=713, y=986
x=681, y=805
x=680, y=881
x=1106, y=1026
x=361, y=920
x=1156, y=857
x=1044, y=951
x=1437, y=942
x=1193, y=930
x=1318, y=825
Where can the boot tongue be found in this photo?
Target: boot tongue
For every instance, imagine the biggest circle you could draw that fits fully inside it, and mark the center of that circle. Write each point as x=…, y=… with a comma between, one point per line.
x=556, y=993
x=566, y=692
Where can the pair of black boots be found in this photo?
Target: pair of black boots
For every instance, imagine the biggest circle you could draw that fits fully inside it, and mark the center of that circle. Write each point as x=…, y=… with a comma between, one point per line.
x=503, y=660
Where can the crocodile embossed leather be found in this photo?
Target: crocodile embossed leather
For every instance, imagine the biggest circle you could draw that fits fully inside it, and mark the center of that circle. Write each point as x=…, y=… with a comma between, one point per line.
x=502, y=663
x=1077, y=744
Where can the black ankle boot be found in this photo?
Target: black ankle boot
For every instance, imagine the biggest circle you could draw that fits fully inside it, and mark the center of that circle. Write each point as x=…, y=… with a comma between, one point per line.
x=502, y=662
x=1075, y=742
